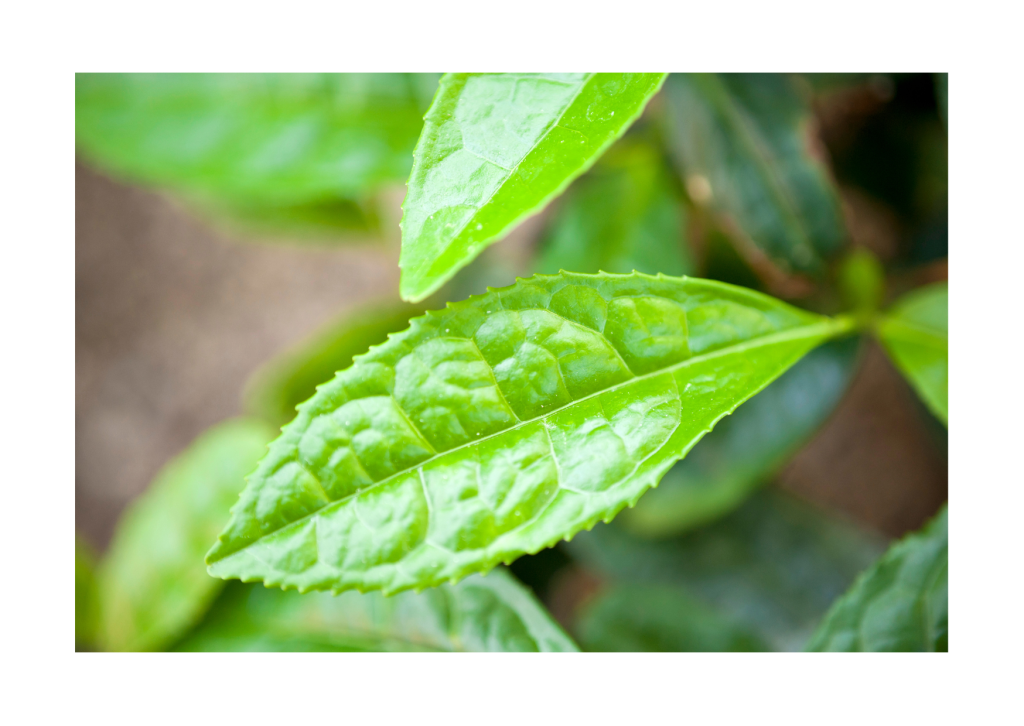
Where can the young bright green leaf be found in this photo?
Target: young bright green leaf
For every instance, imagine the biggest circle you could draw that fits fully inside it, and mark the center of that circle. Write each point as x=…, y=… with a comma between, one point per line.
x=916, y=335
x=272, y=138
x=623, y=215
x=280, y=385
x=900, y=604
x=497, y=148
x=493, y=613
x=501, y=424
x=153, y=586
x=657, y=618
x=862, y=282
x=85, y=594
x=743, y=141
x=749, y=446
x=773, y=567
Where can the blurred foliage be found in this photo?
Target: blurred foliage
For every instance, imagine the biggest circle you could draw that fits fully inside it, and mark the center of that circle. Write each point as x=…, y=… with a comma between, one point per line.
x=86, y=610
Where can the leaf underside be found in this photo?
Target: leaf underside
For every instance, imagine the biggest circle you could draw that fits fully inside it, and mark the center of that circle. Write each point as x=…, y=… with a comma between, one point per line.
x=916, y=335
x=492, y=613
x=501, y=424
x=900, y=604
x=496, y=148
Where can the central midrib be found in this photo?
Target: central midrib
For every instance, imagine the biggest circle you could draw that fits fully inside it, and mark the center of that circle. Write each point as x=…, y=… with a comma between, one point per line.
x=835, y=326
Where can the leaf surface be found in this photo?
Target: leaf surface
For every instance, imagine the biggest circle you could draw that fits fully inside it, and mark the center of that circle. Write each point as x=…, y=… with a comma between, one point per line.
x=153, y=585
x=493, y=613
x=623, y=215
x=501, y=424
x=748, y=447
x=85, y=594
x=916, y=335
x=900, y=604
x=497, y=148
x=270, y=138
x=773, y=567
x=744, y=143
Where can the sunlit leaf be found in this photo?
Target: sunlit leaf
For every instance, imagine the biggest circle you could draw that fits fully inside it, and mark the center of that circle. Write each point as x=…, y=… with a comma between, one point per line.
x=496, y=148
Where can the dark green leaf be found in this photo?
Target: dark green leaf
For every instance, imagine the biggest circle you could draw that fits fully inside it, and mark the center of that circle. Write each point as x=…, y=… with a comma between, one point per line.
x=900, y=604
x=657, y=618
x=623, y=215
x=497, y=148
x=915, y=333
x=501, y=424
x=748, y=447
x=744, y=143
x=153, y=586
x=773, y=566
x=85, y=594
x=495, y=613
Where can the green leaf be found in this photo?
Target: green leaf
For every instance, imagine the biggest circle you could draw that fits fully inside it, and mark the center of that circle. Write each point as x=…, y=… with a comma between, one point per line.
x=773, y=567
x=497, y=148
x=277, y=139
x=501, y=424
x=85, y=595
x=495, y=613
x=900, y=604
x=153, y=586
x=744, y=143
x=656, y=618
x=748, y=447
x=280, y=385
x=623, y=215
x=916, y=335
x=862, y=282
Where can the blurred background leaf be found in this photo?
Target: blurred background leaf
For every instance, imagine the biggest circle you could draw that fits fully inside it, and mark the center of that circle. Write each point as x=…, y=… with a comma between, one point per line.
x=86, y=619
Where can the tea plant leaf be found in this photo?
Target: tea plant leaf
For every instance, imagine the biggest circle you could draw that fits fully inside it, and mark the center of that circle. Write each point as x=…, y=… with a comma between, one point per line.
x=497, y=148
x=253, y=139
x=85, y=594
x=152, y=583
x=623, y=215
x=501, y=424
x=656, y=618
x=916, y=335
x=493, y=613
x=900, y=604
x=744, y=144
x=748, y=447
x=773, y=567
x=280, y=385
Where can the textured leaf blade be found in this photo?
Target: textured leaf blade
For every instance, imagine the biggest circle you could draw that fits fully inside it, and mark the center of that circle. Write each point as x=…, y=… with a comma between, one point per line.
x=85, y=594
x=153, y=585
x=900, y=604
x=493, y=613
x=742, y=141
x=269, y=138
x=916, y=335
x=497, y=148
x=772, y=567
x=749, y=446
x=501, y=424
x=623, y=215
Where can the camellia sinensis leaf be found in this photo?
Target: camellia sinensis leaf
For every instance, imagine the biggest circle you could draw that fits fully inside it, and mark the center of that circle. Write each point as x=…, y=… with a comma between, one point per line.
x=492, y=613
x=501, y=424
x=900, y=604
x=152, y=583
x=916, y=335
x=496, y=148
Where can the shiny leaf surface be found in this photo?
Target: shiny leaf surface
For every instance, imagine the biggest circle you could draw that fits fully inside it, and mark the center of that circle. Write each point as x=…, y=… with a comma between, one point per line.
x=623, y=215
x=497, y=148
x=273, y=138
x=916, y=335
x=501, y=424
x=85, y=594
x=773, y=567
x=653, y=618
x=744, y=143
x=493, y=613
x=748, y=447
x=900, y=604
x=153, y=585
